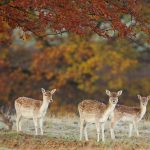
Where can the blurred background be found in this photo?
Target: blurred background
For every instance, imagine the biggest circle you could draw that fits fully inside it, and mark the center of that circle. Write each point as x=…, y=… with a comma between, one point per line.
x=79, y=67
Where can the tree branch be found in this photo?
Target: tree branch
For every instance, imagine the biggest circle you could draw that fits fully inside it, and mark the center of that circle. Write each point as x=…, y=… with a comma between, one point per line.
x=20, y=9
x=57, y=33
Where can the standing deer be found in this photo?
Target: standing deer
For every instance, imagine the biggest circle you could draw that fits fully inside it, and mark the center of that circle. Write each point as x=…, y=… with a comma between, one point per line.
x=132, y=115
x=92, y=111
x=35, y=109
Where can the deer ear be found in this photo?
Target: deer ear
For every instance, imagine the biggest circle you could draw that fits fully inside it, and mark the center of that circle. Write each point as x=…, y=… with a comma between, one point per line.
x=53, y=91
x=108, y=92
x=119, y=93
x=139, y=96
x=148, y=97
x=43, y=90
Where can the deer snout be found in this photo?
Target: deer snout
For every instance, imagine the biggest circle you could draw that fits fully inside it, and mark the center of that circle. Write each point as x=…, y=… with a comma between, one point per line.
x=51, y=100
x=114, y=101
x=144, y=104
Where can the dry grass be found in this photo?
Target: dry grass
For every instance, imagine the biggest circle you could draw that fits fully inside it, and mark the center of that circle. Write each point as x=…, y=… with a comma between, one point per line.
x=63, y=134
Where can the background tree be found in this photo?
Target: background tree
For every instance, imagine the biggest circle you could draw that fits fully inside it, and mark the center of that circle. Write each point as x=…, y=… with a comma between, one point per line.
x=79, y=68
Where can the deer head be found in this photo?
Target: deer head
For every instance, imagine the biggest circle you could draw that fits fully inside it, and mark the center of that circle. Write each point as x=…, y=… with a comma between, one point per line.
x=47, y=95
x=143, y=100
x=113, y=96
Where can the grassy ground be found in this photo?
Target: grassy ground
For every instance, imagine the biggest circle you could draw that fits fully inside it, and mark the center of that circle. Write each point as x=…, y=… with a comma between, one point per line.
x=63, y=134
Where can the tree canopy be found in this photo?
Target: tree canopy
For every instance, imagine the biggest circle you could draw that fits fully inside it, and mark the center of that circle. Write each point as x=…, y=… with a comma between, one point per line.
x=106, y=18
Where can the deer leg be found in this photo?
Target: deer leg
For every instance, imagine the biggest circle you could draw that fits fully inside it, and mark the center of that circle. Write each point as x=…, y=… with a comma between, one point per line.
x=41, y=125
x=85, y=131
x=103, y=128
x=112, y=125
x=81, y=128
x=20, y=124
x=35, y=124
x=115, y=118
x=136, y=128
x=130, y=129
x=98, y=130
x=17, y=122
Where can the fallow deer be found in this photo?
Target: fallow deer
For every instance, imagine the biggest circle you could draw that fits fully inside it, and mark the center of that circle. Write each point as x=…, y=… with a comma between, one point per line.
x=92, y=111
x=132, y=115
x=35, y=109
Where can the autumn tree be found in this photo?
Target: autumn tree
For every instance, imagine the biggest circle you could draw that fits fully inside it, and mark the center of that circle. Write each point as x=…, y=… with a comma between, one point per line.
x=106, y=18
x=78, y=66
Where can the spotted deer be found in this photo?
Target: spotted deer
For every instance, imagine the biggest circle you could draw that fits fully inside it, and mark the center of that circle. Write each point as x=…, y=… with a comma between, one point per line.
x=35, y=109
x=92, y=111
x=132, y=115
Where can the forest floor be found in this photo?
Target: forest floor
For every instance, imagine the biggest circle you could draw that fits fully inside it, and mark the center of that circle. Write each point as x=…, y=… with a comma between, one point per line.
x=62, y=133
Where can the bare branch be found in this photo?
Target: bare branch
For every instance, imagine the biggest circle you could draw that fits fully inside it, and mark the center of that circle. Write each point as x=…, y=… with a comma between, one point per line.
x=57, y=33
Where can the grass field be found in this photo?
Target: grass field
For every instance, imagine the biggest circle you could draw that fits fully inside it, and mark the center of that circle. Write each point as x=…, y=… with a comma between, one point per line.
x=62, y=133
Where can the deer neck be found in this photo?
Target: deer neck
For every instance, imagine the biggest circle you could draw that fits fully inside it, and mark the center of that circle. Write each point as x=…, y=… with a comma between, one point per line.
x=142, y=111
x=44, y=106
x=110, y=108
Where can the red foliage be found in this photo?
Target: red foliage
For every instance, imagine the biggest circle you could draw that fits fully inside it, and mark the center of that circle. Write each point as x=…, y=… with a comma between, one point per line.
x=78, y=16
